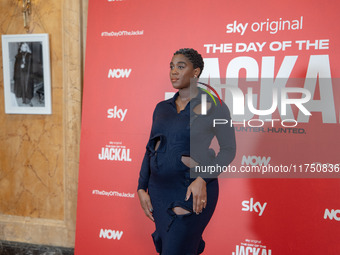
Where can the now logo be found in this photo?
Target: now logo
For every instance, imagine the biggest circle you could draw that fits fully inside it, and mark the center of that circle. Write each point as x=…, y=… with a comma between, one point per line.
x=110, y=234
x=255, y=160
x=333, y=214
x=119, y=73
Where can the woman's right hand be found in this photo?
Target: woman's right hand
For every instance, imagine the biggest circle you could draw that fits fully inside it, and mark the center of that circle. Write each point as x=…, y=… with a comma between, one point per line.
x=145, y=202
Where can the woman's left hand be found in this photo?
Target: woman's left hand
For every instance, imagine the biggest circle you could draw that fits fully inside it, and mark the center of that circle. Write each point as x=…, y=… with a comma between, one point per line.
x=198, y=189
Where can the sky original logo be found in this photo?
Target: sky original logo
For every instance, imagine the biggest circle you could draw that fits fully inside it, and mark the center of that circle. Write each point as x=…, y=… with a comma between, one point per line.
x=332, y=214
x=110, y=234
x=119, y=73
x=255, y=160
x=116, y=113
x=250, y=206
x=270, y=26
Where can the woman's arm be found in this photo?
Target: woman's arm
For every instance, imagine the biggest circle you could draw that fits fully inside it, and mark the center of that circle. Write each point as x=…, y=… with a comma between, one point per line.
x=225, y=135
x=145, y=202
x=143, y=180
x=198, y=189
x=144, y=173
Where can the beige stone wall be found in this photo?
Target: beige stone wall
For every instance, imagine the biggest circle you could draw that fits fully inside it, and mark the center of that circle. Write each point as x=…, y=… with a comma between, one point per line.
x=39, y=153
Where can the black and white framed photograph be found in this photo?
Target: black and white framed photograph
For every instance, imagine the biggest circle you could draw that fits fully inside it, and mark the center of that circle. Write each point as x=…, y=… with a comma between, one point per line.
x=27, y=79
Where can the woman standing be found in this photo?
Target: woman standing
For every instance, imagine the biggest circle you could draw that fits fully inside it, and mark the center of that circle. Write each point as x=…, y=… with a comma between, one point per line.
x=181, y=206
x=23, y=79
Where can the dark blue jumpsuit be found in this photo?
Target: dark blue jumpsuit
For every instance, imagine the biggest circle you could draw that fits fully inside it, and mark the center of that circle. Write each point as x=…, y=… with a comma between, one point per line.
x=166, y=178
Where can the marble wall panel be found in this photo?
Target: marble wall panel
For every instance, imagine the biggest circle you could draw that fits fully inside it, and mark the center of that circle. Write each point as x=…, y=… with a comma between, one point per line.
x=39, y=153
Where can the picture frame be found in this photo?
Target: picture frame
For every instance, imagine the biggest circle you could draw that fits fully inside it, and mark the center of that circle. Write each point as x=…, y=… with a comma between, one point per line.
x=26, y=72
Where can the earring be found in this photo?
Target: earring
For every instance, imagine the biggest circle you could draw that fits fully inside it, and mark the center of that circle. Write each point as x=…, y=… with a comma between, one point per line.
x=195, y=76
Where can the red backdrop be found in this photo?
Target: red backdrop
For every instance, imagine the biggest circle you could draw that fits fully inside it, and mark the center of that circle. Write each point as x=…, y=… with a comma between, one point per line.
x=129, y=47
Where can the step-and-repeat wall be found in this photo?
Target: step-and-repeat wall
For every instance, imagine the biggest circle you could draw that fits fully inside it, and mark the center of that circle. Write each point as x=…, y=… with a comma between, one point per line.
x=276, y=66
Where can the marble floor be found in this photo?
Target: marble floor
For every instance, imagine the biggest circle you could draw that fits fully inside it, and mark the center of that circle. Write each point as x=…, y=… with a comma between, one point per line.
x=14, y=248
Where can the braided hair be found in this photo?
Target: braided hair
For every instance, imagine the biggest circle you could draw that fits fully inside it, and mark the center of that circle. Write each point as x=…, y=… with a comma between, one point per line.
x=194, y=57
